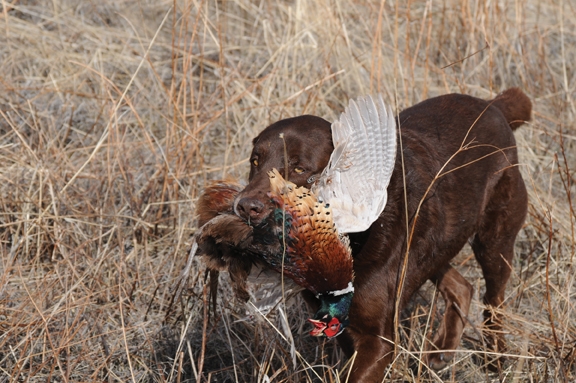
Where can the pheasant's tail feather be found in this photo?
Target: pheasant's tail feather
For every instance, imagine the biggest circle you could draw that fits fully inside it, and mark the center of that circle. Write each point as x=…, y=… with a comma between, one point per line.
x=223, y=237
x=225, y=242
x=226, y=229
x=217, y=198
x=214, y=274
x=182, y=280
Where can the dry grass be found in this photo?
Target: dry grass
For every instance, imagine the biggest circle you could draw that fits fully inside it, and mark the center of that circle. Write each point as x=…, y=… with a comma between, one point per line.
x=113, y=114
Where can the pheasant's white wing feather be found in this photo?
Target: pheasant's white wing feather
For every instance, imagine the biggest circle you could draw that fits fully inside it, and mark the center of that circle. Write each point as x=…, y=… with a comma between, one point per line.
x=355, y=181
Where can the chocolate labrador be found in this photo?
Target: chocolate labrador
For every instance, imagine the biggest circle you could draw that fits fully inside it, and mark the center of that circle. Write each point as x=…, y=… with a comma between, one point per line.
x=456, y=180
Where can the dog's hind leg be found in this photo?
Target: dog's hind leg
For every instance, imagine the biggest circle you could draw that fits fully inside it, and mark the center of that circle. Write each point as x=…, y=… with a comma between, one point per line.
x=493, y=247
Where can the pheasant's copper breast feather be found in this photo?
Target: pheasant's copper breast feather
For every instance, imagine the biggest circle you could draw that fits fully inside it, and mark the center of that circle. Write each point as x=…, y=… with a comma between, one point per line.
x=315, y=254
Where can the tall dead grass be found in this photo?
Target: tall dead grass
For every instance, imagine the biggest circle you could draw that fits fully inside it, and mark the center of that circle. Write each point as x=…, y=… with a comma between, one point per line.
x=113, y=115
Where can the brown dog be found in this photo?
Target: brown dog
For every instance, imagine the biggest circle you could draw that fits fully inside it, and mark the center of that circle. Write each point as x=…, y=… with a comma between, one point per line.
x=462, y=184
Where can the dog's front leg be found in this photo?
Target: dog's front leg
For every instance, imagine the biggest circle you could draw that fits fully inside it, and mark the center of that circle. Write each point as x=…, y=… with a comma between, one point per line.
x=372, y=356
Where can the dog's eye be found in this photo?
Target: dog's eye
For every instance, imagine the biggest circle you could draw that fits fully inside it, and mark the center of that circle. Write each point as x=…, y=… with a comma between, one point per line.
x=254, y=161
x=299, y=170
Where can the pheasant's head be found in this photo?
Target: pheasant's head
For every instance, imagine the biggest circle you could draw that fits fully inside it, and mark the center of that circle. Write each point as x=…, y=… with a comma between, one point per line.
x=332, y=316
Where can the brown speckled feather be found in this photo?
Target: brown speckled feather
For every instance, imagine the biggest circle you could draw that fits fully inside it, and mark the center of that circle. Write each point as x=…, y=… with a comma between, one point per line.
x=224, y=237
x=316, y=258
x=216, y=199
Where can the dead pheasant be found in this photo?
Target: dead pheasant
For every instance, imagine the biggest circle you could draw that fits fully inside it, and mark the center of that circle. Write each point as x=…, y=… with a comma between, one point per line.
x=316, y=256
x=304, y=236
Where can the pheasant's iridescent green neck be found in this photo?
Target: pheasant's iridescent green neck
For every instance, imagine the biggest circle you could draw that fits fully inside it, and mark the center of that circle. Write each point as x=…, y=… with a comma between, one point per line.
x=335, y=306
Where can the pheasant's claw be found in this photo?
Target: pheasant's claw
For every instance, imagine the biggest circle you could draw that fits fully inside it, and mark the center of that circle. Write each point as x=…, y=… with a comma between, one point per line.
x=319, y=327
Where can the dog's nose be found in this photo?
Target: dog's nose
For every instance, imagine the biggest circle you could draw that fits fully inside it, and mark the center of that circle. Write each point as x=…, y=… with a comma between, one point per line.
x=250, y=209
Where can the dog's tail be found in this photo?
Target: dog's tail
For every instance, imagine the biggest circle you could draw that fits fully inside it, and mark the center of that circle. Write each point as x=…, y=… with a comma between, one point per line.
x=515, y=106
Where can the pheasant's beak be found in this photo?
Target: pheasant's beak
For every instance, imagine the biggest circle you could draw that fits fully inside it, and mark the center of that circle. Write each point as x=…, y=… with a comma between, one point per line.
x=319, y=327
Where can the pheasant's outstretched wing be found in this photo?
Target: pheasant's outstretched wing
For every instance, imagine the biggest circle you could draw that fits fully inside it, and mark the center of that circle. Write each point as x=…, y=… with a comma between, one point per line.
x=354, y=182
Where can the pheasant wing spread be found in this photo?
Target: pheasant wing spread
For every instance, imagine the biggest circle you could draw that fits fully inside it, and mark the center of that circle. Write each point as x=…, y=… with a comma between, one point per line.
x=354, y=182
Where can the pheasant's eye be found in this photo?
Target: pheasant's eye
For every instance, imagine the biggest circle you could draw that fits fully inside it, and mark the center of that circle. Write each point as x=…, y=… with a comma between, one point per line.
x=333, y=328
x=299, y=170
x=254, y=161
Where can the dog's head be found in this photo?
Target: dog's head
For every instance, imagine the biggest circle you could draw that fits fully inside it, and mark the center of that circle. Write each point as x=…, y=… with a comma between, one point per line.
x=299, y=148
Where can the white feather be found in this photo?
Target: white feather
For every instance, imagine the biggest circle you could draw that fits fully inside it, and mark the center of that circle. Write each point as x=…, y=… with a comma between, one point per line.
x=355, y=181
x=266, y=286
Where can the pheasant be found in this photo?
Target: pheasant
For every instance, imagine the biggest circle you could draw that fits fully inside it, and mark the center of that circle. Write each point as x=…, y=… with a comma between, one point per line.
x=316, y=257
x=304, y=238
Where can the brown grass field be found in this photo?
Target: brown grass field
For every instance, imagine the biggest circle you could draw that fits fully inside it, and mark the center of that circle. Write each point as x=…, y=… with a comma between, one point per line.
x=114, y=114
